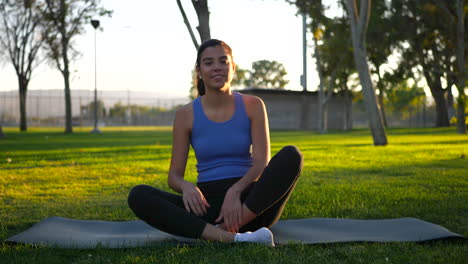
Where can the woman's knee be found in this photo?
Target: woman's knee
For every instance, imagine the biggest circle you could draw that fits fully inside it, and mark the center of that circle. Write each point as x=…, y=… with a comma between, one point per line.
x=292, y=153
x=137, y=194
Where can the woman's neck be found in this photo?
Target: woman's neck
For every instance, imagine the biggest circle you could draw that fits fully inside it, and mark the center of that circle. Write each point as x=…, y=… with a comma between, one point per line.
x=217, y=98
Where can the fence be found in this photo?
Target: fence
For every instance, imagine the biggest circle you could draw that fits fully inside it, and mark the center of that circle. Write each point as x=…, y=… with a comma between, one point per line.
x=422, y=116
x=47, y=108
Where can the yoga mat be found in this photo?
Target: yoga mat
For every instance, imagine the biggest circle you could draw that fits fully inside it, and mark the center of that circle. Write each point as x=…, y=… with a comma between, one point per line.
x=70, y=233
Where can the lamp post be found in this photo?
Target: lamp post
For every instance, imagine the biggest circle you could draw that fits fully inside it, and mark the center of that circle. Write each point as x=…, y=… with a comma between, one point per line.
x=95, y=24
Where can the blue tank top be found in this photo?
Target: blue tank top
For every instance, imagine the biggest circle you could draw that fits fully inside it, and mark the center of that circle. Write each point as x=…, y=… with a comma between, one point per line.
x=222, y=149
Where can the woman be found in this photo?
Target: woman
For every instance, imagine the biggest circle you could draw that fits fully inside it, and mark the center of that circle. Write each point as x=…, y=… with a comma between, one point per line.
x=237, y=190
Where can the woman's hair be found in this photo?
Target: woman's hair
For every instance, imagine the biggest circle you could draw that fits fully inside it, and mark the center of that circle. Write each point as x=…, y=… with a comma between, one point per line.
x=198, y=82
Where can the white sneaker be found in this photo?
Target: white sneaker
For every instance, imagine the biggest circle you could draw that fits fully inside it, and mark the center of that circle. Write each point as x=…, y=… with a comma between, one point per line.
x=261, y=236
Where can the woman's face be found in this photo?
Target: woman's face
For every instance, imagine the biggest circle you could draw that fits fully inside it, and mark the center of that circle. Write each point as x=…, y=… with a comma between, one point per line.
x=216, y=68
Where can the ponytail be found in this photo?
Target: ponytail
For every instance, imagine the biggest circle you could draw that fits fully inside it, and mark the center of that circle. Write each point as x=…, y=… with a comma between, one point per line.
x=200, y=87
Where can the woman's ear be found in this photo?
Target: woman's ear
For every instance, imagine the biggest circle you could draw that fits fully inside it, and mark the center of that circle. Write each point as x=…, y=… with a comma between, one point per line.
x=197, y=72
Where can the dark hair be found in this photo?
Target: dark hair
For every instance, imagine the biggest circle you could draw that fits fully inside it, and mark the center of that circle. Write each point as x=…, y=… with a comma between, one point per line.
x=209, y=43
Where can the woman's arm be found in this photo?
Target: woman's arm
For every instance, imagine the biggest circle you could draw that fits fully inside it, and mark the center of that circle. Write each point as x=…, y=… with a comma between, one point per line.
x=231, y=211
x=194, y=200
x=260, y=142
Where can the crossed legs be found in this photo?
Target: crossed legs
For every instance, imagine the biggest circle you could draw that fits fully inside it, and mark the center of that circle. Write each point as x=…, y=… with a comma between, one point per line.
x=263, y=203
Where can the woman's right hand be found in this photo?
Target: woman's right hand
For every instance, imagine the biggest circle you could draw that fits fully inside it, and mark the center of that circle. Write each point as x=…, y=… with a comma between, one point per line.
x=194, y=200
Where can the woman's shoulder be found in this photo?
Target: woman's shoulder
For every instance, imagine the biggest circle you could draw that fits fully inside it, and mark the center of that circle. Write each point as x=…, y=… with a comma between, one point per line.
x=253, y=104
x=184, y=115
x=252, y=100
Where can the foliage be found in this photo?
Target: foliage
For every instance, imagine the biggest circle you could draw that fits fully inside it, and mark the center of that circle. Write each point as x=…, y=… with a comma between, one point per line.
x=420, y=38
x=87, y=176
x=121, y=111
x=268, y=74
x=88, y=110
x=336, y=54
x=404, y=99
x=331, y=33
x=241, y=77
x=427, y=30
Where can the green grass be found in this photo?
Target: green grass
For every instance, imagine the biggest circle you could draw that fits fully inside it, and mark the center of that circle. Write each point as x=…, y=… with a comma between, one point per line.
x=422, y=173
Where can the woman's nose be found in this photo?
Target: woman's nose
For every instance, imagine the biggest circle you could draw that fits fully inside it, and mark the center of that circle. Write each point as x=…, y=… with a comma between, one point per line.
x=217, y=66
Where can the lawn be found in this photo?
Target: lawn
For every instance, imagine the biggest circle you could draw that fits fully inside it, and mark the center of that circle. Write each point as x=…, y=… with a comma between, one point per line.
x=422, y=173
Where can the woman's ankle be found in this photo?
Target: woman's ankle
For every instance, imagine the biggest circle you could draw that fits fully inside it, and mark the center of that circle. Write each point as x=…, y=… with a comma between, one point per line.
x=247, y=215
x=214, y=233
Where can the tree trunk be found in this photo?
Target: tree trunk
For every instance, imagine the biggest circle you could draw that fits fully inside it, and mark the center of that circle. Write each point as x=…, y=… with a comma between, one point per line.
x=377, y=128
x=461, y=126
x=381, y=98
x=23, y=88
x=450, y=108
x=2, y=135
x=441, y=108
x=382, y=107
x=66, y=79
x=358, y=31
x=320, y=113
x=348, y=121
x=68, y=106
x=187, y=24
x=461, y=119
x=438, y=94
x=22, y=101
x=203, y=14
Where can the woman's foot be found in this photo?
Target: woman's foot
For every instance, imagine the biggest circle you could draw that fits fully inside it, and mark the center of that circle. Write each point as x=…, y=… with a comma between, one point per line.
x=261, y=236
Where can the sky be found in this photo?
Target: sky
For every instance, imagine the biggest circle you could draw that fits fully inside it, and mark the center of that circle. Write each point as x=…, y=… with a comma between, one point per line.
x=145, y=46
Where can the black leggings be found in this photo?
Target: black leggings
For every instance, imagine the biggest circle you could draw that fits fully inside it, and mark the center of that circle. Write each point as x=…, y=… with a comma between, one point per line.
x=266, y=198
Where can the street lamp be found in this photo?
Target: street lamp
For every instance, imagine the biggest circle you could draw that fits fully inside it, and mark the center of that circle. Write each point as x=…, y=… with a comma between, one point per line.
x=95, y=24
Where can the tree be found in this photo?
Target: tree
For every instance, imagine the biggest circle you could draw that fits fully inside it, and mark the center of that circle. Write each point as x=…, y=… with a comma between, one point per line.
x=241, y=77
x=203, y=14
x=358, y=20
x=381, y=42
x=268, y=74
x=333, y=67
x=88, y=110
x=2, y=135
x=461, y=67
x=404, y=99
x=428, y=45
x=66, y=19
x=21, y=41
x=329, y=35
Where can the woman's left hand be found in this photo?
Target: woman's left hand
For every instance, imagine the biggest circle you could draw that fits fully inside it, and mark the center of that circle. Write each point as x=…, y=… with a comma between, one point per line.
x=231, y=211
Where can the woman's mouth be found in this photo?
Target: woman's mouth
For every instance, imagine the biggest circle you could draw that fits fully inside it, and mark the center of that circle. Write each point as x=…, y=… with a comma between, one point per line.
x=217, y=76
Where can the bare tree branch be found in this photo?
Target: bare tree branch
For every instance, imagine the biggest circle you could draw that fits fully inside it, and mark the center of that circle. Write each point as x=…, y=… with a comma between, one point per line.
x=187, y=24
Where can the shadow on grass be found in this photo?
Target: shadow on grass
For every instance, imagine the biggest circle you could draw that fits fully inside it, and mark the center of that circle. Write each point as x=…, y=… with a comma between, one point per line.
x=55, y=141
x=77, y=164
x=84, y=153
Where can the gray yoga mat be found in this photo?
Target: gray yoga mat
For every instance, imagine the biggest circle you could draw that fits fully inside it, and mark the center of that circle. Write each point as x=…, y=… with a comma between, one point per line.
x=70, y=233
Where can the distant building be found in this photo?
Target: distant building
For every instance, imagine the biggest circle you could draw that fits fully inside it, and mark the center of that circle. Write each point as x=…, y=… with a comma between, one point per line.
x=293, y=110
